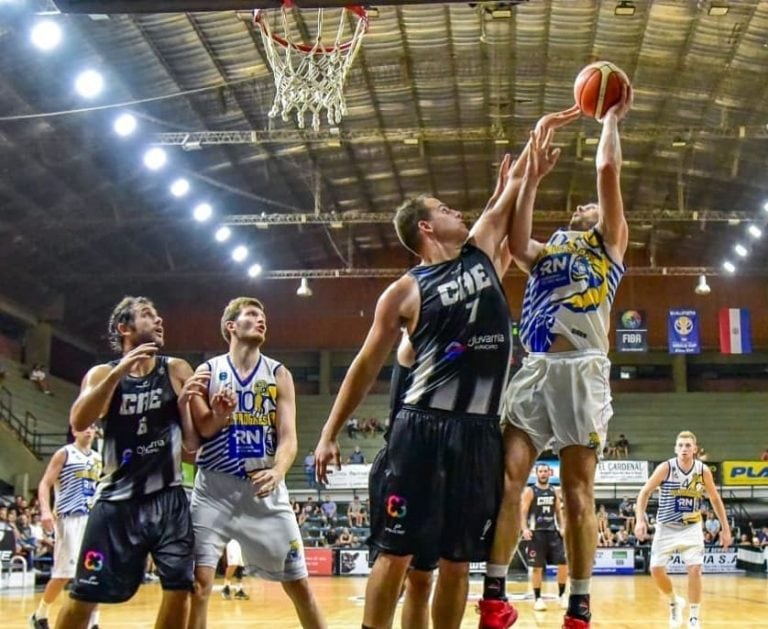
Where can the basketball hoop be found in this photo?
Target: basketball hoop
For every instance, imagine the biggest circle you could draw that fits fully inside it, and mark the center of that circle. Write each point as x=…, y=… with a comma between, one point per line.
x=310, y=77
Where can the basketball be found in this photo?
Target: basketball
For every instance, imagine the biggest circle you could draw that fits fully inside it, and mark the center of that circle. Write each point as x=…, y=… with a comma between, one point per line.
x=598, y=88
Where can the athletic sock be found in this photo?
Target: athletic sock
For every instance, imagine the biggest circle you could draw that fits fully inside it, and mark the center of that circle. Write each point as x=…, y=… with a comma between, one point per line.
x=536, y=593
x=495, y=582
x=578, y=606
x=42, y=610
x=560, y=589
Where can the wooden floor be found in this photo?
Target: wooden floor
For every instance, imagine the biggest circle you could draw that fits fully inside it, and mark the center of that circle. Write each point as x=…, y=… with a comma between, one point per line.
x=618, y=602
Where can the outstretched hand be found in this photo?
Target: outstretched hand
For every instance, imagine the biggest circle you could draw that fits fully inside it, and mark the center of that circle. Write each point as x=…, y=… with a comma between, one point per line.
x=555, y=120
x=541, y=156
x=620, y=109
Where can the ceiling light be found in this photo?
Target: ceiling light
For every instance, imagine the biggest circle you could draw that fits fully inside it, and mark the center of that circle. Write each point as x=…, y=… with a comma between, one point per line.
x=202, y=212
x=624, y=8
x=500, y=14
x=223, y=233
x=754, y=231
x=678, y=142
x=125, y=124
x=411, y=141
x=304, y=290
x=740, y=250
x=729, y=266
x=702, y=288
x=46, y=35
x=239, y=253
x=254, y=270
x=191, y=145
x=373, y=12
x=718, y=10
x=89, y=83
x=155, y=158
x=180, y=187
x=591, y=141
x=765, y=206
x=336, y=224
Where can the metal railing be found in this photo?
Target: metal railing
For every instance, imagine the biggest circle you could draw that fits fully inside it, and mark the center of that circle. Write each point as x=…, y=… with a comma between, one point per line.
x=40, y=444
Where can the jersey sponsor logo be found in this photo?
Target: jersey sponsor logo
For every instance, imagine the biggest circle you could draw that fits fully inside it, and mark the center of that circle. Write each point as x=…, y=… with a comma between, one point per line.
x=140, y=403
x=468, y=283
x=246, y=442
x=486, y=341
x=93, y=560
x=397, y=506
x=150, y=448
x=126, y=457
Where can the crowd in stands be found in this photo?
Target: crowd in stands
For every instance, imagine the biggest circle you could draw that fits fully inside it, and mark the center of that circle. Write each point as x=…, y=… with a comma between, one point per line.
x=31, y=541
x=367, y=427
x=327, y=525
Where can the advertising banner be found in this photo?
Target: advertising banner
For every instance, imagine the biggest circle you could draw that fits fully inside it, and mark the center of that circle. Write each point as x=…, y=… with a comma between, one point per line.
x=319, y=561
x=745, y=473
x=612, y=472
x=353, y=562
x=350, y=476
x=683, y=332
x=614, y=561
x=716, y=560
x=752, y=559
x=631, y=331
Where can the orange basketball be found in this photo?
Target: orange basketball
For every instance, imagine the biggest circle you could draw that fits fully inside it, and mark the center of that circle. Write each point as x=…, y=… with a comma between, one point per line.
x=598, y=88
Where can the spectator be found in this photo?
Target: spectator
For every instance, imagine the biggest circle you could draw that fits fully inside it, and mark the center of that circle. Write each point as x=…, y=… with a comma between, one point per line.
x=627, y=513
x=712, y=526
x=702, y=454
x=622, y=537
x=764, y=455
x=762, y=537
x=622, y=447
x=352, y=428
x=309, y=469
x=296, y=508
x=346, y=539
x=329, y=509
x=39, y=377
x=357, y=456
x=602, y=519
x=355, y=513
x=331, y=537
x=25, y=540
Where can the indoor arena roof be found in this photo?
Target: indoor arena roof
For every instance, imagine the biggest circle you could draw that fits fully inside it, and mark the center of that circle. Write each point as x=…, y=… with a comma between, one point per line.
x=436, y=94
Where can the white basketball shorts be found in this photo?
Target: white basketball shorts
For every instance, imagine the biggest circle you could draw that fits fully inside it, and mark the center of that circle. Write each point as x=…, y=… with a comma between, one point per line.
x=686, y=539
x=66, y=548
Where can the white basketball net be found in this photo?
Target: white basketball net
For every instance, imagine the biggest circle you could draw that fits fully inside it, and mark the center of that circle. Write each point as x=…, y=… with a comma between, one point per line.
x=309, y=78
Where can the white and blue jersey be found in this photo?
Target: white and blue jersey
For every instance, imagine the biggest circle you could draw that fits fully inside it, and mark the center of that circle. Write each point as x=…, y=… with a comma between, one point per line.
x=249, y=440
x=75, y=486
x=680, y=494
x=570, y=292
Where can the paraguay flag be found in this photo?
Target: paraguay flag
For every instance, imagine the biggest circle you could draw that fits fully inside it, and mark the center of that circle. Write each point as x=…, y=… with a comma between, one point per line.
x=735, y=331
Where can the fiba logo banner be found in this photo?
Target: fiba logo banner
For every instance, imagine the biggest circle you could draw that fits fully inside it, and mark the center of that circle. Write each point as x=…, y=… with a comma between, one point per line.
x=632, y=331
x=683, y=332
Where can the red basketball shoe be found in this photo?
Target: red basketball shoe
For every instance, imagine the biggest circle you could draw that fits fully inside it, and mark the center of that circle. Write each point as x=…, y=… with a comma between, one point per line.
x=496, y=614
x=569, y=622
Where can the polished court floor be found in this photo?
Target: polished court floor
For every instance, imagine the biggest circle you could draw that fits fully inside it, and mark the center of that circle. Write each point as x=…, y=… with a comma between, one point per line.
x=730, y=602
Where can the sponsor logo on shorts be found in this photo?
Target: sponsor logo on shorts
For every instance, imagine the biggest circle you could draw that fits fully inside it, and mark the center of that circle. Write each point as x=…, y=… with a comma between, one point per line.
x=397, y=506
x=93, y=561
x=594, y=441
x=294, y=550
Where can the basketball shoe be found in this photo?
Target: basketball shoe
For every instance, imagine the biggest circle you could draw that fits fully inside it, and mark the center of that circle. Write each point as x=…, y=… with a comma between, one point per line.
x=539, y=605
x=38, y=623
x=496, y=614
x=676, y=612
x=569, y=622
x=240, y=595
x=226, y=593
x=693, y=623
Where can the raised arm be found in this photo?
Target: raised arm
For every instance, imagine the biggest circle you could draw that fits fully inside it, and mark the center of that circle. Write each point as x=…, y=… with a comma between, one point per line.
x=266, y=481
x=658, y=476
x=397, y=304
x=612, y=224
x=99, y=385
x=718, y=507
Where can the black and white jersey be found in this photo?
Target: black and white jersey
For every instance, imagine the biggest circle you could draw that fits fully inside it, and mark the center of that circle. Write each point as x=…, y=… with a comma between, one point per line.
x=463, y=337
x=142, y=436
x=542, y=511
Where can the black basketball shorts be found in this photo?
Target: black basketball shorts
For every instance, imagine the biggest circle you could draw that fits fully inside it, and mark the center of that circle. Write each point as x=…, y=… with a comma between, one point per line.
x=437, y=487
x=119, y=536
x=546, y=548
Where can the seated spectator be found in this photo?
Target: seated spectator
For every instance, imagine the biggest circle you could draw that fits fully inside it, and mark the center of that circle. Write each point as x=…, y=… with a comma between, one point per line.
x=331, y=537
x=346, y=539
x=605, y=540
x=357, y=456
x=355, y=513
x=764, y=455
x=762, y=537
x=712, y=526
x=296, y=508
x=328, y=509
x=702, y=454
x=622, y=537
x=602, y=519
x=27, y=544
x=627, y=513
x=352, y=428
x=39, y=377
x=308, y=511
x=621, y=447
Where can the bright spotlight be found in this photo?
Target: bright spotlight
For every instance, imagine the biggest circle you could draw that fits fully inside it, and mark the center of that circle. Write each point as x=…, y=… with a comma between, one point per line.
x=765, y=206
x=222, y=234
x=254, y=270
x=729, y=266
x=754, y=231
x=125, y=124
x=46, y=35
x=239, y=253
x=202, y=212
x=89, y=83
x=179, y=187
x=155, y=158
x=740, y=250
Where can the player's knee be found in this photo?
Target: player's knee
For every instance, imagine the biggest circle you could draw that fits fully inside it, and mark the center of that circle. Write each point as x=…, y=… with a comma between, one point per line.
x=203, y=586
x=453, y=570
x=419, y=583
